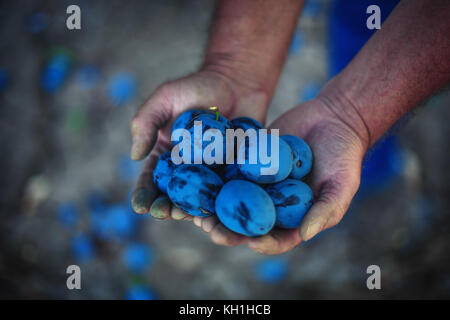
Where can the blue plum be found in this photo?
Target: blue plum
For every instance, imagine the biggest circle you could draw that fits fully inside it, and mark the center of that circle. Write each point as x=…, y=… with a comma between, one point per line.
x=210, y=118
x=302, y=156
x=55, y=72
x=231, y=172
x=163, y=171
x=245, y=123
x=186, y=117
x=245, y=208
x=272, y=270
x=140, y=292
x=292, y=199
x=121, y=88
x=82, y=247
x=253, y=171
x=208, y=121
x=193, y=188
x=137, y=257
x=68, y=214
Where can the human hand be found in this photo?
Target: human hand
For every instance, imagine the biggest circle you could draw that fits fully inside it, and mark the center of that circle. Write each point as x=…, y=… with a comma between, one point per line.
x=332, y=130
x=338, y=140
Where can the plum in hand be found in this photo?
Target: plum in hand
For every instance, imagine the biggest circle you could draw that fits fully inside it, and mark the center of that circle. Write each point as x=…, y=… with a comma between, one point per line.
x=253, y=171
x=292, y=199
x=302, y=156
x=163, y=171
x=193, y=188
x=245, y=208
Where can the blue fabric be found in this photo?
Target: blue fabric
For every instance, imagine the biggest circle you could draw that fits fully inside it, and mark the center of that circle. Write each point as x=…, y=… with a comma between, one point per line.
x=347, y=34
x=348, y=31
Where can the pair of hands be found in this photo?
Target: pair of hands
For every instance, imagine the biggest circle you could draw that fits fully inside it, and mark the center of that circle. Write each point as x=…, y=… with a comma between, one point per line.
x=338, y=150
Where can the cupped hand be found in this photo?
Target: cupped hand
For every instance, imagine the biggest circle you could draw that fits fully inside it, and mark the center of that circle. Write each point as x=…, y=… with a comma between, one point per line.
x=151, y=127
x=332, y=129
x=339, y=140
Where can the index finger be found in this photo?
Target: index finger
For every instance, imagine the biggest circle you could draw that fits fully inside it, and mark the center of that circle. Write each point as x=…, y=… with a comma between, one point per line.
x=151, y=117
x=146, y=190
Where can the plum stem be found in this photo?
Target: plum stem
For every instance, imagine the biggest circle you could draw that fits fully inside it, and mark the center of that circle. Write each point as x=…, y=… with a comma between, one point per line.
x=214, y=108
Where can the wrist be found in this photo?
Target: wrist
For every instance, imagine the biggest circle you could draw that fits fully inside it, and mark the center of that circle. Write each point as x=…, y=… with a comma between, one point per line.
x=343, y=107
x=251, y=97
x=242, y=74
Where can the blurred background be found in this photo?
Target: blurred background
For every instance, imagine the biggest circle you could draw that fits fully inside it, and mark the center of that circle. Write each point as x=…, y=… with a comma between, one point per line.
x=66, y=100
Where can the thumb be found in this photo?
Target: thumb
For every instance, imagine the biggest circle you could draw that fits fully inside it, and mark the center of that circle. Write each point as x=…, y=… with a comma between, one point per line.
x=333, y=202
x=152, y=116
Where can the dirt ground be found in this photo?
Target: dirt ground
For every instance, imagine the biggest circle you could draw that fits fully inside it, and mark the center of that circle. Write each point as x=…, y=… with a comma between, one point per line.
x=71, y=145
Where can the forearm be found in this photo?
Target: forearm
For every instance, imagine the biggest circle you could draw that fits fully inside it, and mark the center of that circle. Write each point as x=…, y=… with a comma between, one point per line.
x=400, y=66
x=249, y=41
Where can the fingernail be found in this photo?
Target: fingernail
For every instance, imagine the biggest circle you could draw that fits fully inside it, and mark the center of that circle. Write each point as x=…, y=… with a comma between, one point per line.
x=262, y=243
x=198, y=221
x=137, y=150
x=312, y=230
x=160, y=208
x=140, y=201
x=177, y=214
x=208, y=224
